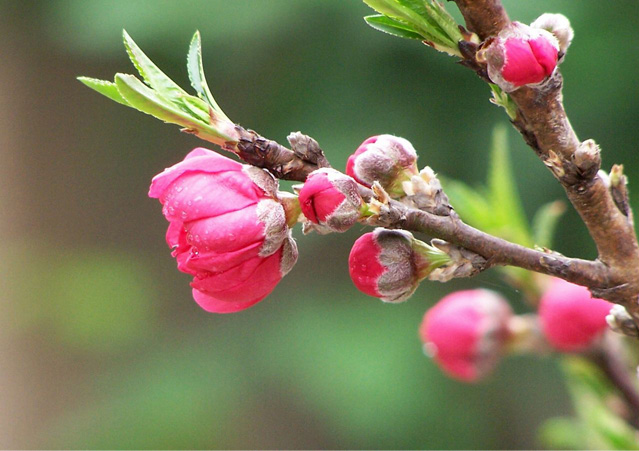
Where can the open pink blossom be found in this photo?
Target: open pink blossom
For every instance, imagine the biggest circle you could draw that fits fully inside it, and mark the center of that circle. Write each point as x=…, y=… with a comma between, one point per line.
x=521, y=55
x=387, y=159
x=465, y=332
x=570, y=317
x=330, y=201
x=226, y=228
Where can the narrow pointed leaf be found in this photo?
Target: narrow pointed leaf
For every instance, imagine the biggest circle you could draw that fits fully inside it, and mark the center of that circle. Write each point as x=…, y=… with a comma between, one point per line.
x=144, y=99
x=197, y=107
x=470, y=204
x=393, y=27
x=196, y=74
x=545, y=222
x=151, y=74
x=444, y=20
x=104, y=87
x=504, y=196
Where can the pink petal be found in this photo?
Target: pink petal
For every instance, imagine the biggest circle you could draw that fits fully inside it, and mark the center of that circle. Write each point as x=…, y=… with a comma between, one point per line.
x=197, y=195
x=319, y=198
x=545, y=54
x=199, y=159
x=521, y=66
x=241, y=286
x=364, y=265
x=206, y=262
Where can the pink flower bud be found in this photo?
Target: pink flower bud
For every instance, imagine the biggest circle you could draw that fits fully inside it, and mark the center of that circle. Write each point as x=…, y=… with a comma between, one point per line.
x=520, y=55
x=226, y=229
x=465, y=332
x=330, y=200
x=559, y=26
x=388, y=159
x=570, y=317
x=383, y=264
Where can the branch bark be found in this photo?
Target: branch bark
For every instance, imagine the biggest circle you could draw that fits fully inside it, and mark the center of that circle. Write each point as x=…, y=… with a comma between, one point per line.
x=543, y=122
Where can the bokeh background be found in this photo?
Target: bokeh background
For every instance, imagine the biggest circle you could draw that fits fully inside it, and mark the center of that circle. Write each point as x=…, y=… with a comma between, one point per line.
x=101, y=345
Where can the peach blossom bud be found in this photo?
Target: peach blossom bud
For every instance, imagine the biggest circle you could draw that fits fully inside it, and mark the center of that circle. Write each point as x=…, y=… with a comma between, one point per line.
x=520, y=56
x=559, y=26
x=465, y=333
x=330, y=201
x=226, y=228
x=388, y=159
x=570, y=317
x=389, y=264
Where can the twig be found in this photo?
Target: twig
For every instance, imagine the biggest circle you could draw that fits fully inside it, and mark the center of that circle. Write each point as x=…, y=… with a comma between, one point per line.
x=542, y=121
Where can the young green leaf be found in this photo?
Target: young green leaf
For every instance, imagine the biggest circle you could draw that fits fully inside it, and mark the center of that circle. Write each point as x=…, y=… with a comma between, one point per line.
x=196, y=74
x=151, y=74
x=104, y=87
x=545, y=222
x=471, y=205
x=504, y=196
x=589, y=390
x=144, y=99
x=393, y=27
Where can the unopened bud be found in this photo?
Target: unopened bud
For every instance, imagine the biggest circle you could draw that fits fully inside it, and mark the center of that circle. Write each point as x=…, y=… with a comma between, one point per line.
x=520, y=56
x=424, y=191
x=330, y=201
x=559, y=26
x=570, y=317
x=389, y=264
x=388, y=159
x=464, y=263
x=466, y=332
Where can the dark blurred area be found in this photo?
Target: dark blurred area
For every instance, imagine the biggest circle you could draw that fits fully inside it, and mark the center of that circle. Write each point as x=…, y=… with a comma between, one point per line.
x=101, y=344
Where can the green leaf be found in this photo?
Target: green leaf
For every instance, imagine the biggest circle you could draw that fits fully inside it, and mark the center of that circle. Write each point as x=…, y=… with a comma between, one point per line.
x=590, y=390
x=424, y=19
x=471, y=205
x=504, y=197
x=151, y=74
x=545, y=222
x=444, y=20
x=196, y=74
x=104, y=87
x=562, y=433
x=393, y=27
x=197, y=107
x=148, y=101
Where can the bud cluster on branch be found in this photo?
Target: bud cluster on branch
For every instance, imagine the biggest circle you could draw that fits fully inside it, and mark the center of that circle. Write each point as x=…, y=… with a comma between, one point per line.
x=230, y=227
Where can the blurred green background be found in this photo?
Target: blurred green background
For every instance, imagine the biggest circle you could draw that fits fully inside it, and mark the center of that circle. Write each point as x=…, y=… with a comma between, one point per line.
x=101, y=344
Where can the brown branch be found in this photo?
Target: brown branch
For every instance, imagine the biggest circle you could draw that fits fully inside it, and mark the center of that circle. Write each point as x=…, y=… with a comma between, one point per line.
x=542, y=121
x=496, y=251
x=608, y=359
x=283, y=163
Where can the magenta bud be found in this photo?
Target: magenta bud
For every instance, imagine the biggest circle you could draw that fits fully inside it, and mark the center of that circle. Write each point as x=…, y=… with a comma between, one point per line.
x=559, y=26
x=520, y=56
x=570, y=317
x=389, y=264
x=388, y=159
x=226, y=229
x=382, y=264
x=330, y=200
x=465, y=333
